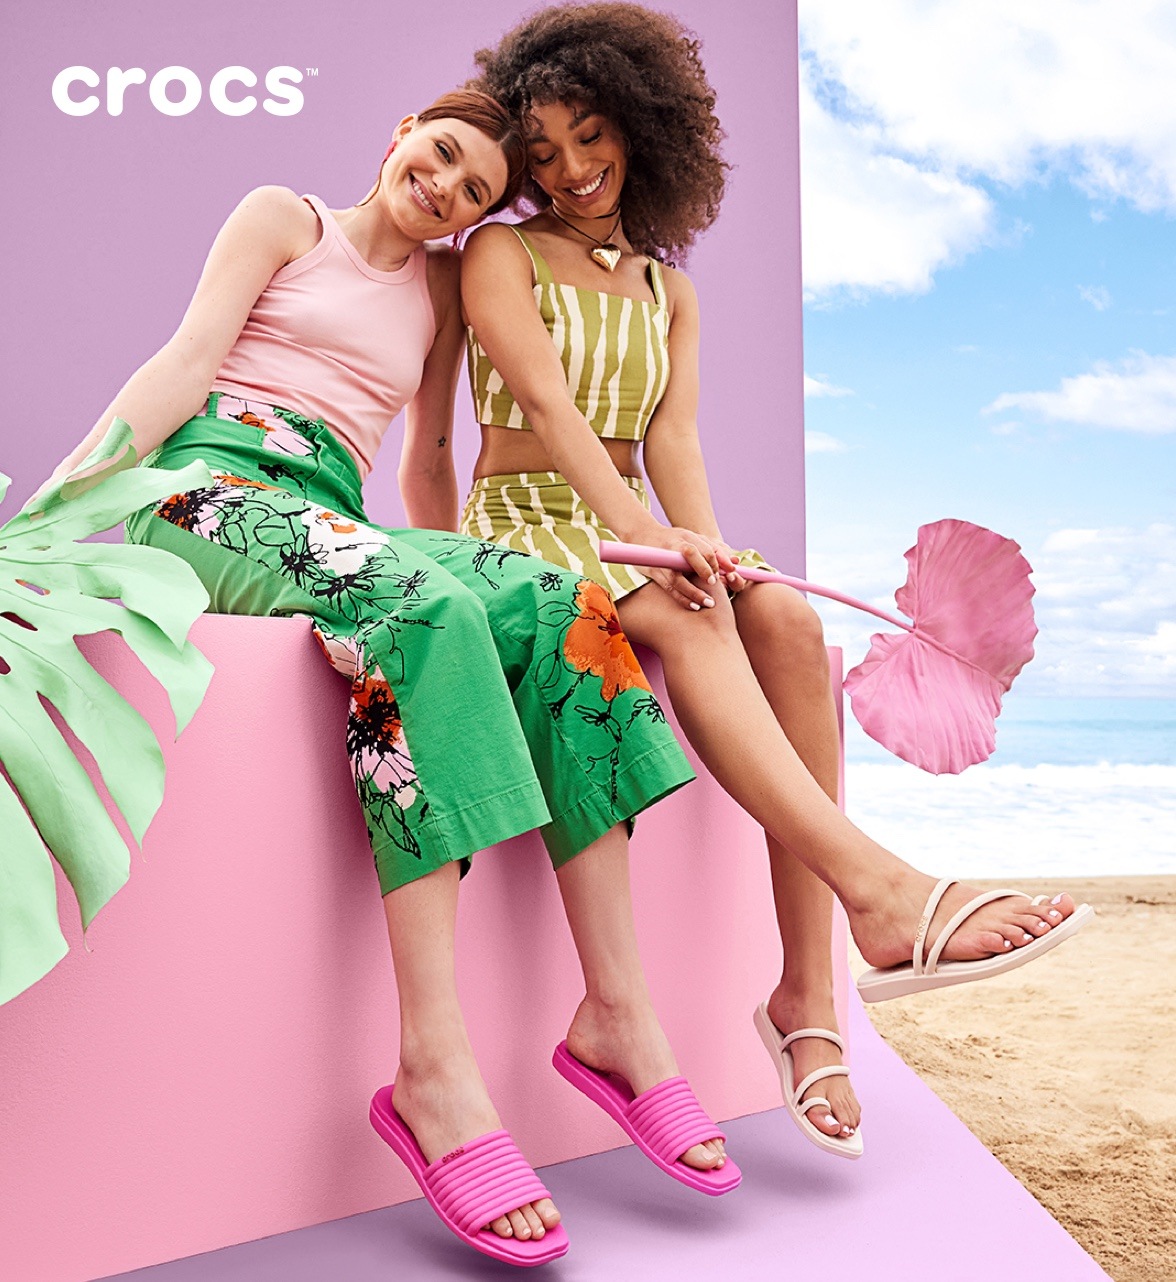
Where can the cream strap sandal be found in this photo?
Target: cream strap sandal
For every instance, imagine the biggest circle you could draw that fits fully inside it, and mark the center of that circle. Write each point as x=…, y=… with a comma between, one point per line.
x=917, y=975
x=777, y=1045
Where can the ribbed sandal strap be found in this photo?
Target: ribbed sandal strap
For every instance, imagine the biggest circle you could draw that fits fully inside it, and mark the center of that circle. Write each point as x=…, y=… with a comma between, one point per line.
x=670, y=1119
x=483, y=1180
x=817, y=1075
x=964, y=913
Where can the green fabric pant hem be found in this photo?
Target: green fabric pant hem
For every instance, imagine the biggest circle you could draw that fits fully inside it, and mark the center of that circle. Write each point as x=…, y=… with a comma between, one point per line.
x=460, y=834
x=644, y=782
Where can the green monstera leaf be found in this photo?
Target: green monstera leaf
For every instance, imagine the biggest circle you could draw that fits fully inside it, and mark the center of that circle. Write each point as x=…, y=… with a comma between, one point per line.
x=53, y=589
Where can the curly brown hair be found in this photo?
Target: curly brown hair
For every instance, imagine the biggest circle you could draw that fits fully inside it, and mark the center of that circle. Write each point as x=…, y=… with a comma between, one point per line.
x=641, y=69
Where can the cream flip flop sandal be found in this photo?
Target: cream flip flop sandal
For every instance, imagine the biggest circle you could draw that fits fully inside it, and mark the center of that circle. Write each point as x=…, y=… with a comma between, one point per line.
x=917, y=975
x=777, y=1046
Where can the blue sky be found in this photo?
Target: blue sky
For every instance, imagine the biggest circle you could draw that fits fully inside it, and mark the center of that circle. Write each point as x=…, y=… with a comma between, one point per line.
x=990, y=325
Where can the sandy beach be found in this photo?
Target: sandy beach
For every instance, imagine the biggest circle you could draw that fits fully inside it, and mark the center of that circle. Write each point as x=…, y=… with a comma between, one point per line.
x=1066, y=1070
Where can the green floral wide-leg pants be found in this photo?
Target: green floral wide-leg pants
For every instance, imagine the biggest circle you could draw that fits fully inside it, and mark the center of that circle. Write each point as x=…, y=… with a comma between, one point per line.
x=490, y=694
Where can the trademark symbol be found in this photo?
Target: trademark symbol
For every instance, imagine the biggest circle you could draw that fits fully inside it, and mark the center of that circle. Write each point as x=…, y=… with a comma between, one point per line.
x=312, y=71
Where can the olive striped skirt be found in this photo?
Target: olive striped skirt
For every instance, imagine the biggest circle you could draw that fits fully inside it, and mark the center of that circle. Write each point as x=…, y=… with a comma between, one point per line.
x=540, y=513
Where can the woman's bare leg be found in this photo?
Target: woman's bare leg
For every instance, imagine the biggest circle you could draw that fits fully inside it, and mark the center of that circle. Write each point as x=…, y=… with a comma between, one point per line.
x=615, y=1029
x=725, y=716
x=785, y=644
x=439, y=1090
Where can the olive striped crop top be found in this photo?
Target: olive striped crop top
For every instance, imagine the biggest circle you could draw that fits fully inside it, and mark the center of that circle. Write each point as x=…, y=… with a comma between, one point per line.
x=614, y=351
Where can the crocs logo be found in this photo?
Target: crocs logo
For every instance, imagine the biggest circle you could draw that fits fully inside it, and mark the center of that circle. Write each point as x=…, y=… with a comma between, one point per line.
x=176, y=91
x=457, y=1152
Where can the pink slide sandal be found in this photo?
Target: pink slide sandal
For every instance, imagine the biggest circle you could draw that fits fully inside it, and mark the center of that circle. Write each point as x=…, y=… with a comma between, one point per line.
x=472, y=1186
x=663, y=1121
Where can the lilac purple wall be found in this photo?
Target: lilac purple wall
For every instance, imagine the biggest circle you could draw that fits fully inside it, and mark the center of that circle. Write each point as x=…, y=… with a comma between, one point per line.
x=106, y=219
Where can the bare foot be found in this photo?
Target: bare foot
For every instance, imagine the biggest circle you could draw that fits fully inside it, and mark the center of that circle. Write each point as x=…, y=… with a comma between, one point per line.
x=791, y=1009
x=445, y=1104
x=627, y=1039
x=885, y=929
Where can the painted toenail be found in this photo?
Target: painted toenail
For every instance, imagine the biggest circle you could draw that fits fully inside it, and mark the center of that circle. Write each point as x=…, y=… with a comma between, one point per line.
x=1008, y=943
x=830, y=1119
x=1026, y=937
x=1053, y=912
x=1057, y=899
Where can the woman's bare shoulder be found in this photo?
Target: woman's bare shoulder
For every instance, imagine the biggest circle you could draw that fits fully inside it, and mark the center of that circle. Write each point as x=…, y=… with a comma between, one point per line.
x=279, y=216
x=680, y=292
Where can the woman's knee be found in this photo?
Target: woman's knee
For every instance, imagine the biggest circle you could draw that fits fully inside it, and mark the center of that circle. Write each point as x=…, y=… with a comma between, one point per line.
x=651, y=618
x=778, y=616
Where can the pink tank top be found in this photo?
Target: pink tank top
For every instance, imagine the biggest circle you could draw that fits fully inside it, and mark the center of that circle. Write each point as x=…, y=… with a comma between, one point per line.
x=333, y=338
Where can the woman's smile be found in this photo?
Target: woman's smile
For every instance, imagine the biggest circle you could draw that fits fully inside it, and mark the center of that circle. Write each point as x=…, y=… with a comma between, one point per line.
x=588, y=191
x=421, y=197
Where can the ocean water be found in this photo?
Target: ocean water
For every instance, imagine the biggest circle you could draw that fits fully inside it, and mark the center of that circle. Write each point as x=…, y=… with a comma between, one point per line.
x=1077, y=787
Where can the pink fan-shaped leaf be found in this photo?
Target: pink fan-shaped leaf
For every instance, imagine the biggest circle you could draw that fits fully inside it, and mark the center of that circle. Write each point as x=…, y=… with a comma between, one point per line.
x=932, y=695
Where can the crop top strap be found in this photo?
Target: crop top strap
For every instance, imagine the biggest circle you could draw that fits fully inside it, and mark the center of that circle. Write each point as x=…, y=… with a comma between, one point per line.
x=657, y=280
x=543, y=274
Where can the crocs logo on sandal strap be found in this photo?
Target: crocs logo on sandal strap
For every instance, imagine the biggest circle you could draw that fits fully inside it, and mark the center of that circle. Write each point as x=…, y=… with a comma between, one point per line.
x=457, y=1152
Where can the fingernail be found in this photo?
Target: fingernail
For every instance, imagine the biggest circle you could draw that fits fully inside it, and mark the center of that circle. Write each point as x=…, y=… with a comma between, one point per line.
x=712, y=578
x=695, y=606
x=1053, y=912
x=707, y=602
x=732, y=577
x=1057, y=899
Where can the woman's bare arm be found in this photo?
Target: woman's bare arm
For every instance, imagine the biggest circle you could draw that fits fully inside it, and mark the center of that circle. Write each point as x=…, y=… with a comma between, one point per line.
x=672, y=452
x=268, y=228
x=428, y=482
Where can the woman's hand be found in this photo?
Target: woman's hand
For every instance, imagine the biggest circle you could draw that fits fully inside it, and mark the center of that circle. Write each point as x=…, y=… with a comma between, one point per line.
x=710, y=562
x=735, y=582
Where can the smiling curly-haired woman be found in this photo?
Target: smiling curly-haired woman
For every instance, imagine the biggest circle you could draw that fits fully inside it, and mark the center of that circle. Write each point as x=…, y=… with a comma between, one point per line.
x=583, y=356
x=642, y=69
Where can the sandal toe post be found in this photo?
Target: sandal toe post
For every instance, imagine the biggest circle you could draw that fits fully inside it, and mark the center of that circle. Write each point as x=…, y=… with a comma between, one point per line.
x=777, y=1046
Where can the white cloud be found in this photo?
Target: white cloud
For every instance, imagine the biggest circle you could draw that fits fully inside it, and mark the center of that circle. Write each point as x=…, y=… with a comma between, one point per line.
x=907, y=106
x=1096, y=295
x=823, y=443
x=1105, y=604
x=875, y=221
x=814, y=387
x=1138, y=395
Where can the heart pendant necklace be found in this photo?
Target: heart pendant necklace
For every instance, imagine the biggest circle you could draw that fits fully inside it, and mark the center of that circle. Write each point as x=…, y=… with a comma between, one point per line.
x=604, y=253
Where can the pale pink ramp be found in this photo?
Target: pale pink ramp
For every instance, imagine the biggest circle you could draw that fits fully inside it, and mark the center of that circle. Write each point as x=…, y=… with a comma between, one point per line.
x=933, y=695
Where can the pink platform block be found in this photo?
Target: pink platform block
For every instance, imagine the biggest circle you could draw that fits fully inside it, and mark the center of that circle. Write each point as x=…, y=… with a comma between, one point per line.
x=201, y=1076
